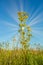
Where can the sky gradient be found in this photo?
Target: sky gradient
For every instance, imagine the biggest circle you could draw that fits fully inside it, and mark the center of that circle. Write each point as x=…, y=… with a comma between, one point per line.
x=9, y=19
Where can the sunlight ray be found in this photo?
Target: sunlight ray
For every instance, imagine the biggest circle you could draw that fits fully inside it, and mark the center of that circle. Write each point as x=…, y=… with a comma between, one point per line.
x=13, y=16
x=21, y=5
x=13, y=5
x=15, y=10
x=37, y=28
x=37, y=32
x=37, y=10
x=39, y=17
x=11, y=25
x=10, y=31
x=12, y=34
x=12, y=11
x=13, y=30
x=36, y=21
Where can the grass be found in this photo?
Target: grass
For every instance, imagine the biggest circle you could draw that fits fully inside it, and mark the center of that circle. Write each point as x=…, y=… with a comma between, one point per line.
x=21, y=57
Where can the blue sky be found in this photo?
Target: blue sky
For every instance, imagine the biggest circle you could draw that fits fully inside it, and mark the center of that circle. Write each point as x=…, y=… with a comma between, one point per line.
x=9, y=18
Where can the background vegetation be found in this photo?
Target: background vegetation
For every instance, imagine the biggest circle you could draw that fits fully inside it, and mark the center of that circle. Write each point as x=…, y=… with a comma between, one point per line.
x=19, y=56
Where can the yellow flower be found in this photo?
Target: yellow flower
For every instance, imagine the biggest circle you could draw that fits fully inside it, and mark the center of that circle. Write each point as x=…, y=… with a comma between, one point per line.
x=23, y=33
x=19, y=14
x=21, y=25
x=23, y=42
x=25, y=16
x=28, y=28
x=21, y=18
x=29, y=34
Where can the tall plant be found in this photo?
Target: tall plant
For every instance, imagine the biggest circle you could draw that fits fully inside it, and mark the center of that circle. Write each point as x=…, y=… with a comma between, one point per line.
x=24, y=29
